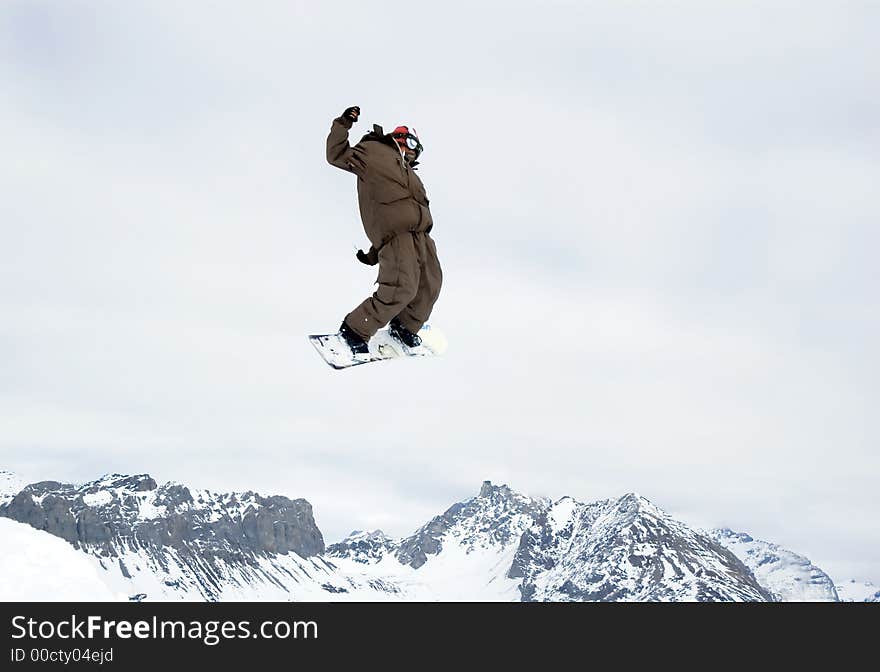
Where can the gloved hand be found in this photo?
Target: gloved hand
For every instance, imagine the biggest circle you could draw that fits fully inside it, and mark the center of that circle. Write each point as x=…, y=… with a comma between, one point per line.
x=352, y=113
x=370, y=258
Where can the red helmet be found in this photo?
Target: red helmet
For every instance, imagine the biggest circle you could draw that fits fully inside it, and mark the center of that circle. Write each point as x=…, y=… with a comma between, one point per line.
x=407, y=138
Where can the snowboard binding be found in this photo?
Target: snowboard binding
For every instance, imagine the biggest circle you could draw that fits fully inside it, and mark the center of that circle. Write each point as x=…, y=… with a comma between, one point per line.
x=404, y=335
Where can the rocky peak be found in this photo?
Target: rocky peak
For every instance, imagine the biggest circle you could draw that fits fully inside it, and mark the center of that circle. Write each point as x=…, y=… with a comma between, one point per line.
x=135, y=483
x=487, y=489
x=363, y=547
x=496, y=516
x=728, y=534
x=625, y=549
x=119, y=511
x=359, y=535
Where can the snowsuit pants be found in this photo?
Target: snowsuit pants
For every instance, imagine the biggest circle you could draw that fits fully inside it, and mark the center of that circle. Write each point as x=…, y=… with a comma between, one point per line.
x=409, y=284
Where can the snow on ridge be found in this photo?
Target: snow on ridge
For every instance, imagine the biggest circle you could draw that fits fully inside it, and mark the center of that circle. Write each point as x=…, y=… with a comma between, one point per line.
x=561, y=513
x=642, y=503
x=789, y=576
x=490, y=492
x=107, y=480
x=146, y=495
x=46, y=568
x=99, y=498
x=625, y=549
x=138, y=494
x=147, y=508
x=114, y=481
x=234, y=505
x=10, y=485
x=364, y=535
x=858, y=591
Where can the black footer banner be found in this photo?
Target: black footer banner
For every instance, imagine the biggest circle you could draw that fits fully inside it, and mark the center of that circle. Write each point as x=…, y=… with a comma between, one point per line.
x=457, y=635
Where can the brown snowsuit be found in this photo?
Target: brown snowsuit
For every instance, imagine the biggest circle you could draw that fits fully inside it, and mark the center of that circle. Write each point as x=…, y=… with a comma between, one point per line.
x=396, y=218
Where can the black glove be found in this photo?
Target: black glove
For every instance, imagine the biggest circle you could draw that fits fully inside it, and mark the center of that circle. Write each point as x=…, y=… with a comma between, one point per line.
x=352, y=113
x=370, y=258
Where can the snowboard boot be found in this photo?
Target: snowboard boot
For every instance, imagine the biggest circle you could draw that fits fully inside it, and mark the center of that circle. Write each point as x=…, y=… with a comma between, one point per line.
x=404, y=335
x=357, y=344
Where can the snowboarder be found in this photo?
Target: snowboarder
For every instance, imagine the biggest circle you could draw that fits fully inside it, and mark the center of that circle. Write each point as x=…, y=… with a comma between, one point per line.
x=394, y=211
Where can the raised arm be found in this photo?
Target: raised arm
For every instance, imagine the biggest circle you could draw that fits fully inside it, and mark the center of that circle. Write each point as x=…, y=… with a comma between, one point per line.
x=339, y=152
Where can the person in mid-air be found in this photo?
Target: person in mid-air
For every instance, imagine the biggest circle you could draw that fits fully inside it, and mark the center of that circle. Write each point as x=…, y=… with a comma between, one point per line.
x=396, y=218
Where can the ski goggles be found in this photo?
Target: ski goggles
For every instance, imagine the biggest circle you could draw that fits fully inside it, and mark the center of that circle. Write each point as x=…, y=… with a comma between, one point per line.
x=411, y=141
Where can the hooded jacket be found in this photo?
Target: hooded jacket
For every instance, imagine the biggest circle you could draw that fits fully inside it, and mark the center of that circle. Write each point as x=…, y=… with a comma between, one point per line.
x=391, y=197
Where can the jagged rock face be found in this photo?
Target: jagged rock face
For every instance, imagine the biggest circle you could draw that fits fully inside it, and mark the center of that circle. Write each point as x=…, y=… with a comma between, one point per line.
x=789, y=576
x=133, y=512
x=496, y=516
x=625, y=550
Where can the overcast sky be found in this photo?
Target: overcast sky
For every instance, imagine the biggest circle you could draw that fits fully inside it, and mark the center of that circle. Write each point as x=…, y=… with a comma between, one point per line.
x=658, y=228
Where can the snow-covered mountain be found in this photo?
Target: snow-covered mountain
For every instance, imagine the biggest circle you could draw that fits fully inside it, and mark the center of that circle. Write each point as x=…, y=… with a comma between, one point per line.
x=502, y=545
x=626, y=549
x=168, y=542
x=858, y=591
x=172, y=543
x=38, y=567
x=789, y=576
x=464, y=554
x=120, y=511
x=363, y=547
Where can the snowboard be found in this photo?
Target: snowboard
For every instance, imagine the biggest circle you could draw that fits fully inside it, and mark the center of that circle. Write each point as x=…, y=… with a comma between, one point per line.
x=335, y=351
